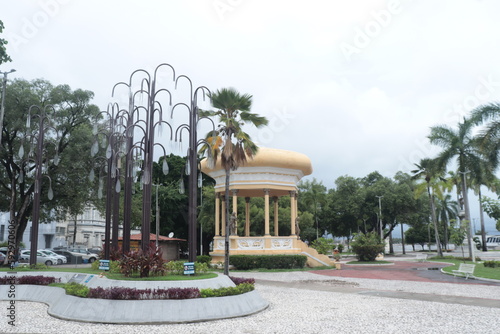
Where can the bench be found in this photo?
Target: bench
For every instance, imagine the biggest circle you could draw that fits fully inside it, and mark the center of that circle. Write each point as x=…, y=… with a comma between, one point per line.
x=465, y=270
x=421, y=257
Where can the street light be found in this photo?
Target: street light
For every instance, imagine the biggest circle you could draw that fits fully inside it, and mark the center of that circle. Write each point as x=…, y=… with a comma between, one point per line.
x=2, y=108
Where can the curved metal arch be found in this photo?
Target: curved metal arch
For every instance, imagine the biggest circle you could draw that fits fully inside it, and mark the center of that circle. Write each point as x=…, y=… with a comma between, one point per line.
x=137, y=71
x=161, y=65
x=118, y=84
x=179, y=104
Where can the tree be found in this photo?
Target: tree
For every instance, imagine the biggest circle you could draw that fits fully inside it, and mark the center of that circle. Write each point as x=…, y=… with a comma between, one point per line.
x=461, y=146
x=70, y=138
x=312, y=195
x=4, y=57
x=367, y=246
x=233, y=111
x=446, y=211
x=430, y=171
x=417, y=234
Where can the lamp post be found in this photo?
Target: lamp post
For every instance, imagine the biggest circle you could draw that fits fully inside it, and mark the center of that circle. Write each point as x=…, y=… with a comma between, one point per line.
x=380, y=216
x=2, y=107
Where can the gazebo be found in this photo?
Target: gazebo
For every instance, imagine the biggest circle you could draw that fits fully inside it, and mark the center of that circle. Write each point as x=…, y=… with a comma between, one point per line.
x=271, y=174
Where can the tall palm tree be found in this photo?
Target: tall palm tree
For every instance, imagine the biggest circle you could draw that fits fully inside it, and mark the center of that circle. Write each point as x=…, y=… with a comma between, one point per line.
x=229, y=142
x=429, y=171
x=460, y=145
x=489, y=145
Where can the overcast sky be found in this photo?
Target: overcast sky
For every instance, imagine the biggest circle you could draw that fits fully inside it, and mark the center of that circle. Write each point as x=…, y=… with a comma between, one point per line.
x=355, y=85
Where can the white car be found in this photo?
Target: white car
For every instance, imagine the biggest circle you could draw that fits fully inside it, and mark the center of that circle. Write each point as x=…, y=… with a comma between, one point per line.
x=60, y=258
x=40, y=258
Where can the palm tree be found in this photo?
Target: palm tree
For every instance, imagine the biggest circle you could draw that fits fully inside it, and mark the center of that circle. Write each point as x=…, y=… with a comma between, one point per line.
x=233, y=111
x=446, y=210
x=459, y=144
x=429, y=171
x=489, y=145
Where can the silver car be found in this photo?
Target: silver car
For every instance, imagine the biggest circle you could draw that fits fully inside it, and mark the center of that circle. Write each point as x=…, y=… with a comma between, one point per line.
x=40, y=258
x=60, y=258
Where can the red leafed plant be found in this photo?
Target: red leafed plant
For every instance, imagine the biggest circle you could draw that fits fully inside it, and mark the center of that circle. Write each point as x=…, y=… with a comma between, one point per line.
x=143, y=263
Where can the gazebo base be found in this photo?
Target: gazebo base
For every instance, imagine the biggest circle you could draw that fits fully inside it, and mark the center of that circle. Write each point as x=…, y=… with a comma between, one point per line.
x=268, y=245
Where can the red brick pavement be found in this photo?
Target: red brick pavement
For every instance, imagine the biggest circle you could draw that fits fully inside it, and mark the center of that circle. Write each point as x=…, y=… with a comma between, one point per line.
x=400, y=270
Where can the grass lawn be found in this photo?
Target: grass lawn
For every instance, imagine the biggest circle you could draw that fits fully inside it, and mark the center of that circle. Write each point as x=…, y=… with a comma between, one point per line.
x=117, y=276
x=479, y=271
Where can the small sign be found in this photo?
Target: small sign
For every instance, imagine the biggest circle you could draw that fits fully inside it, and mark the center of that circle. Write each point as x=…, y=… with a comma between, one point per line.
x=104, y=265
x=77, y=278
x=188, y=268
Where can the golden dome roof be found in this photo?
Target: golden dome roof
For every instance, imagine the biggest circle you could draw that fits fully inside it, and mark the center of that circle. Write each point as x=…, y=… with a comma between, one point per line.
x=271, y=157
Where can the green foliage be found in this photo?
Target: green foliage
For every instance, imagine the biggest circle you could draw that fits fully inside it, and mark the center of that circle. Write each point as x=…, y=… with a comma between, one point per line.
x=76, y=289
x=247, y=262
x=4, y=57
x=69, y=137
x=367, y=246
x=340, y=248
x=39, y=266
x=177, y=267
x=492, y=264
x=323, y=245
x=204, y=259
x=227, y=291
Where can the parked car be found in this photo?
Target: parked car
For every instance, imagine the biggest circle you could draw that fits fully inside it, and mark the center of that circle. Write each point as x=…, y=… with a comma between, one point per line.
x=60, y=258
x=85, y=254
x=2, y=257
x=73, y=258
x=40, y=257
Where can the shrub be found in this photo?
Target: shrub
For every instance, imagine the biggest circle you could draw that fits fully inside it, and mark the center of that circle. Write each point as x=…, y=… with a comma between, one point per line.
x=143, y=263
x=241, y=280
x=177, y=267
x=76, y=289
x=246, y=262
x=367, y=246
x=227, y=291
x=340, y=248
x=121, y=293
x=32, y=280
x=323, y=245
x=204, y=259
x=492, y=264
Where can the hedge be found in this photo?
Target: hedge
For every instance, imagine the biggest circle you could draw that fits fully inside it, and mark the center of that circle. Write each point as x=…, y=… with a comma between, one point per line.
x=248, y=262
